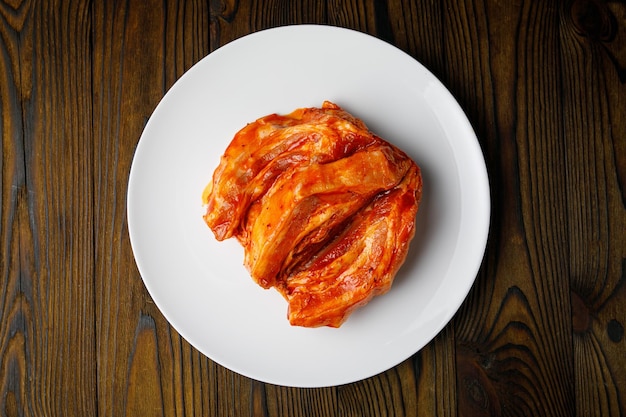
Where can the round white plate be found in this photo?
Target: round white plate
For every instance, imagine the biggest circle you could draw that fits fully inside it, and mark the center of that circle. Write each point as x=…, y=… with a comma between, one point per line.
x=201, y=286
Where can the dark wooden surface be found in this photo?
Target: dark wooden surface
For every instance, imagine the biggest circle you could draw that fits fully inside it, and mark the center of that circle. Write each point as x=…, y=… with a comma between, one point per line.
x=542, y=331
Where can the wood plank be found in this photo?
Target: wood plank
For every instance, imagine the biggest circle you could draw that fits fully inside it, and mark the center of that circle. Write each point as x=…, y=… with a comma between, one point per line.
x=594, y=85
x=47, y=363
x=514, y=349
x=15, y=317
x=144, y=366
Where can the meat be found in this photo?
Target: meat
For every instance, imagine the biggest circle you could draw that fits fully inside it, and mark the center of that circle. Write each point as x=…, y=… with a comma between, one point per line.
x=324, y=209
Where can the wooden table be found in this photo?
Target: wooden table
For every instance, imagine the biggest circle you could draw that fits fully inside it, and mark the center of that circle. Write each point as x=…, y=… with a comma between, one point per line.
x=542, y=330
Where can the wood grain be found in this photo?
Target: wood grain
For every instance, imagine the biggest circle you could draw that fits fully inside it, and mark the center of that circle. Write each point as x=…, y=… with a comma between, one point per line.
x=593, y=75
x=144, y=367
x=514, y=352
x=47, y=307
x=542, y=330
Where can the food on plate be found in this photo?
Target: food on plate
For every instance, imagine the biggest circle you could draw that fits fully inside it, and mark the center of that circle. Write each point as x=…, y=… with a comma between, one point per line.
x=324, y=209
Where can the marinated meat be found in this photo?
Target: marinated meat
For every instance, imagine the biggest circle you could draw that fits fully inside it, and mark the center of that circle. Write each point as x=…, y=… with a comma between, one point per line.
x=324, y=209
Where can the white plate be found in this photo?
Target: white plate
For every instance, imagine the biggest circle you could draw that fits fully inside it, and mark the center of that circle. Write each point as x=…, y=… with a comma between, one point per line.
x=201, y=286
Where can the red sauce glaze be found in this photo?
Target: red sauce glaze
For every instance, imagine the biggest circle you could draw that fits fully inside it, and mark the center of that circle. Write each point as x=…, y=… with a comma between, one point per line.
x=324, y=209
